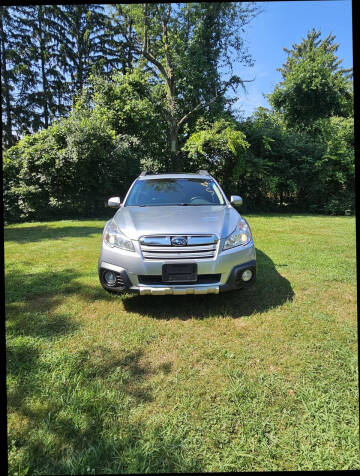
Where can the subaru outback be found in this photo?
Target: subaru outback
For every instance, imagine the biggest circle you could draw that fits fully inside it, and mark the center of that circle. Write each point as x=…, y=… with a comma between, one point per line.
x=176, y=234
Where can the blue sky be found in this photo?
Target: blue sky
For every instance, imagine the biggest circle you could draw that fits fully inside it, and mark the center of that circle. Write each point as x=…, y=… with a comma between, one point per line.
x=284, y=23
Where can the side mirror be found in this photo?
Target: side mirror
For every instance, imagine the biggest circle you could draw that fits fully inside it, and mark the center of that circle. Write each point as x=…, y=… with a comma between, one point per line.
x=236, y=200
x=114, y=202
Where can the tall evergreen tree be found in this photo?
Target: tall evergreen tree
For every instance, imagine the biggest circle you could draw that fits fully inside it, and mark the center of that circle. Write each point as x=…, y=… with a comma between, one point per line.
x=120, y=37
x=7, y=75
x=84, y=42
x=41, y=36
x=314, y=86
x=16, y=74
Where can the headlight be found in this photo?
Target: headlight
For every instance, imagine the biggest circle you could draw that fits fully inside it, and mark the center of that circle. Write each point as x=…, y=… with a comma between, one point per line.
x=114, y=237
x=240, y=236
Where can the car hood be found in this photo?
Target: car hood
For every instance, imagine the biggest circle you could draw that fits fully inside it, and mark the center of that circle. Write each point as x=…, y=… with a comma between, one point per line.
x=183, y=220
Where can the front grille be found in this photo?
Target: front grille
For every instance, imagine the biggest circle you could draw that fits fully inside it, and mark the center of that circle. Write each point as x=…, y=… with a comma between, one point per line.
x=201, y=279
x=161, y=247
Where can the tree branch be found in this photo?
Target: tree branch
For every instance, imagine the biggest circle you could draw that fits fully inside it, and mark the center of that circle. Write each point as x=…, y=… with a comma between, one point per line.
x=218, y=94
x=166, y=41
x=146, y=53
x=200, y=106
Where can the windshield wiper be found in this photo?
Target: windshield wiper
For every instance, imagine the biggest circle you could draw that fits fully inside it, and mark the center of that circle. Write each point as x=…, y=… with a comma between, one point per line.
x=178, y=204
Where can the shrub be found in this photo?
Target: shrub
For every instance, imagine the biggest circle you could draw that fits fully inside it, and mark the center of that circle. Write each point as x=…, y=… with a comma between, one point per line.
x=68, y=169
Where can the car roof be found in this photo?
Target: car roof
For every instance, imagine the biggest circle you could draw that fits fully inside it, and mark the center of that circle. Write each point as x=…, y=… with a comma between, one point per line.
x=170, y=176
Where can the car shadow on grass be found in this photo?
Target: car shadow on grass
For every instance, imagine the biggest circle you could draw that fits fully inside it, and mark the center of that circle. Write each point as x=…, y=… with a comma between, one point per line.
x=270, y=290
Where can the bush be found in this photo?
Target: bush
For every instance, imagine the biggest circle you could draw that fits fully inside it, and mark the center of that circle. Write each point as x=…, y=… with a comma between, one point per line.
x=336, y=168
x=69, y=169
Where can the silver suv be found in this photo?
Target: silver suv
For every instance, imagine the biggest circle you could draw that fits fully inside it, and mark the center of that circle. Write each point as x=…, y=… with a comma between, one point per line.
x=176, y=234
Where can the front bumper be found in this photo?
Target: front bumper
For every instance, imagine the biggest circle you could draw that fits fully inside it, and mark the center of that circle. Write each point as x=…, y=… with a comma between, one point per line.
x=129, y=266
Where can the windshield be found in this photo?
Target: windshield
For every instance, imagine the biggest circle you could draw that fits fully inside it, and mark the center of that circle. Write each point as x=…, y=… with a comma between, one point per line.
x=174, y=191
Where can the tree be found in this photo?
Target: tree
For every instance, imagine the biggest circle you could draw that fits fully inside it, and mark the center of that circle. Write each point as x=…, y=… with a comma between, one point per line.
x=132, y=104
x=170, y=39
x=47, y=52
x=219, y=148
x=120, y=34
x=114, y=129
x=284, y=160
x=68, y=169
x=335, y=169
x=313, y=86
x=8, y=60
x=34, y=53
x=84, y=37
x=45, y=37
x=17, y=74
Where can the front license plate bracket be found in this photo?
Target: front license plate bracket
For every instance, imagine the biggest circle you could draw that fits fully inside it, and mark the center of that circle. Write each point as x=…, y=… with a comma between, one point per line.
x=179, y=272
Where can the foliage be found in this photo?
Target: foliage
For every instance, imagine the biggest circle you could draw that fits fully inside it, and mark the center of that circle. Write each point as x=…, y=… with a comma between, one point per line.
x=336, y=168
x=272, y=166
x=190, y=42
x=45, y=99
x=219, y=148
x=40, y=81
x=85, y=43
x=169, y=98
x=68, y=169
x=132, y=104
x=17, y=75
x=313, y=86
x=183, y=44
x=286, y=157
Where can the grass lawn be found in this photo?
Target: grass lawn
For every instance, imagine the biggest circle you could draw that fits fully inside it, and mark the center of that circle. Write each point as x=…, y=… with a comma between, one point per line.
x=263, y=379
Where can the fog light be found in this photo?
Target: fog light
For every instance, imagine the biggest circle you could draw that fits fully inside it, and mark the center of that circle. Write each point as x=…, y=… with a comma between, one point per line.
x=110, y=278
x=247, y=275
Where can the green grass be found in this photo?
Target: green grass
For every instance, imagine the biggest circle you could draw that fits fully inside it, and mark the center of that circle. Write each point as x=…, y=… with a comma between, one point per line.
x=262, y=379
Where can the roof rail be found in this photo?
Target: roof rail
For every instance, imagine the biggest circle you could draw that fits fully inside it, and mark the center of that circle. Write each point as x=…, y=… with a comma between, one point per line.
x=202, y=172
x=146, y=172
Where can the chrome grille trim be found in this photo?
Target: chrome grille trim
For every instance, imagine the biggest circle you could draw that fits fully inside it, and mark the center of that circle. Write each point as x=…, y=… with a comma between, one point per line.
x=179, y=249
x=177, y=255
x=155, y=240
x=160, y=247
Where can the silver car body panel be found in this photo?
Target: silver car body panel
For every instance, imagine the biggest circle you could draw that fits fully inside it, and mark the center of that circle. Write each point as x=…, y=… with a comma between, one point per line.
x=135, y=222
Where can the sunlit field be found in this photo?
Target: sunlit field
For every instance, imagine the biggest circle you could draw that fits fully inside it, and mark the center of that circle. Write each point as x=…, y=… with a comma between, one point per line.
x=257, y=380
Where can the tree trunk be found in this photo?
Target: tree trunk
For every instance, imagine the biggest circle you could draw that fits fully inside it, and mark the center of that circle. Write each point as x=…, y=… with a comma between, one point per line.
x=130, y=55
x=43, y=73
x=80, y=68
x=45, y=89
x=173, y=127
x=9, y=139
x=174, y=132
x=80, y=50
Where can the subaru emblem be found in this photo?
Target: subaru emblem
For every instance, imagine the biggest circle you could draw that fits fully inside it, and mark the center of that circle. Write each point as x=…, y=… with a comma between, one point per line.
x=178, y=241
